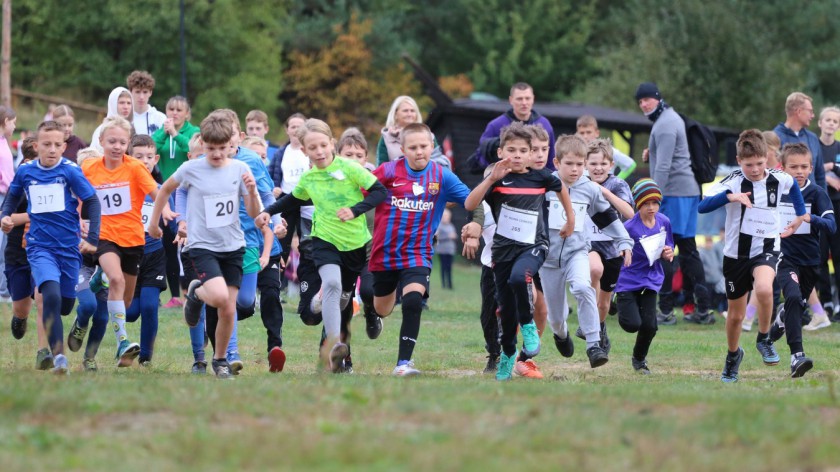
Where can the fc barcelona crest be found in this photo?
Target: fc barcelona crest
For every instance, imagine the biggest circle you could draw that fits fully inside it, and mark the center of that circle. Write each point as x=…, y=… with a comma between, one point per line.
x=434, y=188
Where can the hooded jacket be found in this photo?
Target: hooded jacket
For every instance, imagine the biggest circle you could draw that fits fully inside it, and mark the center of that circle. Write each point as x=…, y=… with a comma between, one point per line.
x=486, y=153
x=113, y=98
x=787, y=135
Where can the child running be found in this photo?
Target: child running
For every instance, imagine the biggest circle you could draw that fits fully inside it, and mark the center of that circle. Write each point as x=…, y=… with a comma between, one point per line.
x=334, y=185
x=751, y=195
x=516, y=195
x=52, y=186
x=639, y=283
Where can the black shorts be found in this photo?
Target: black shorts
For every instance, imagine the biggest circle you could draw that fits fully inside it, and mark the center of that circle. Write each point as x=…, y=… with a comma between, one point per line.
x=612, y=267
x=129, y=256
x=203, y=264
x=152, y=271
x=738, y=273
x=19, y=281
x=323, y=253
x=385, y=282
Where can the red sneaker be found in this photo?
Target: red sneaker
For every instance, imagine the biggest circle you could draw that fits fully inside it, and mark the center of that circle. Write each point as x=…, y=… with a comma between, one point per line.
x=174, y=303
x=527, y=369
x=276, y=359
x=688, y=309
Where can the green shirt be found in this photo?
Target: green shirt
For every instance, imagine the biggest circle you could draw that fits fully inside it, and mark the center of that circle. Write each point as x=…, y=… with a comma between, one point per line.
x=171, y=160
x=338, y=186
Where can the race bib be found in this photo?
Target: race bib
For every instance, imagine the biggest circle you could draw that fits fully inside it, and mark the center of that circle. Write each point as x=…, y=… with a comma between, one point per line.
x=760, y=222
x=593, y=232
x=146, y=212
x=518, y=225
x=46, y=198
x=788, y=214
x=114, y=200
x=221, y=210
x=653, y=246
x=557, y=216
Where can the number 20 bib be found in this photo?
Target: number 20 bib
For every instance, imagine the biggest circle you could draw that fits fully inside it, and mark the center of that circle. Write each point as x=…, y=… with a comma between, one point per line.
x=221, y=210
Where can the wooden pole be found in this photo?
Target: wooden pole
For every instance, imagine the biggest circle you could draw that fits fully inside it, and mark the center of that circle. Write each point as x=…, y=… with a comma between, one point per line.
x=6, y=56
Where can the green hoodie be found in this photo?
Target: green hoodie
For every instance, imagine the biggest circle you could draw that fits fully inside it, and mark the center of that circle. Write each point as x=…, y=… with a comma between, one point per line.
x=168, y=165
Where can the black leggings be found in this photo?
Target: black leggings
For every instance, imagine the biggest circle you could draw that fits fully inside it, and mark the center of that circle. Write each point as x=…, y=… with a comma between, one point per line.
x=173, y=269
x=637, y=314
x=797, y=283
x=489, y=320
x=513, y=279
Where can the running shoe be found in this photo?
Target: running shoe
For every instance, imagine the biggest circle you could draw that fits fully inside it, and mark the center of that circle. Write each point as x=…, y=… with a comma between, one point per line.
x=731, y=366
x=701, y=318
x=566, y=345
x=276, y=359
x=606, y=345
x=192, y=305
x=337, y=355
x=222, y=369
x=373, y=322
x=235, y=362
x=768, y=352
x=492, y=364
x=597, y=356
x=819, y=321
x=43, y=359
x=174, y=303
x=665, y=319
x=89, y=365
x=527, y=369
x=506, y=366
x=640, y=366
x=530, y=339
x=126, y=353
x=799, y=365
x=18, y=327
x=60, y=365
x=406, y=369
x=76, y=336
x=199, y=367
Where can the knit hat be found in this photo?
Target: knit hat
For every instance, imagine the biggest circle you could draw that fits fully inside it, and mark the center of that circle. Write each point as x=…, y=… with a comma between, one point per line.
x=648, y=89
x=644, y=190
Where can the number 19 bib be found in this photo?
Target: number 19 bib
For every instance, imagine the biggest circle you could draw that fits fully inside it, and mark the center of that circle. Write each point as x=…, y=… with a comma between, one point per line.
x=114, y=200
x=221, y=210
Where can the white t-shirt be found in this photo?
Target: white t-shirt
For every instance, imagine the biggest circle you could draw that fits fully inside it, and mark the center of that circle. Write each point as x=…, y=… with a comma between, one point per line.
x=294, y=164
x=149, y=122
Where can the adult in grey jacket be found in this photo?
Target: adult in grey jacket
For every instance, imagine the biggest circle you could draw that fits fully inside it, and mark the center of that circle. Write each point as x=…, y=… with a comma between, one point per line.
x=670, y=167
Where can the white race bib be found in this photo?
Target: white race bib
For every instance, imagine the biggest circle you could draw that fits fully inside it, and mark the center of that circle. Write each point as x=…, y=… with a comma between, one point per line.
x=557, y=216
x=760, y=222
x=518, y=225
x=114, y=200
x=653, y=246
x=146, y=212
x=788, y=214
x=46, y=198
x=593, y=232
x=221, y=210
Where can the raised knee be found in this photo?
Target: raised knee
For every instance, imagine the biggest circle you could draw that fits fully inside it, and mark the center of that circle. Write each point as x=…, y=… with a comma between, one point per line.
x=412, y=302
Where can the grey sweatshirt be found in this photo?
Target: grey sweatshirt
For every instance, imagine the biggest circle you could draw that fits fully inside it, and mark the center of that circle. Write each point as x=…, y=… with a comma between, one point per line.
x=670, y=164
x=586, y=197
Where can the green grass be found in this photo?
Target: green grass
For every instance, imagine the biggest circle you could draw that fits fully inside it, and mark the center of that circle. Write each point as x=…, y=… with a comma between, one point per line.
x=452, y=418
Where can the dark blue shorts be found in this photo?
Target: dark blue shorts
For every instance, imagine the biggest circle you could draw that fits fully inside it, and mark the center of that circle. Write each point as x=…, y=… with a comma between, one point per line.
x=19, y=281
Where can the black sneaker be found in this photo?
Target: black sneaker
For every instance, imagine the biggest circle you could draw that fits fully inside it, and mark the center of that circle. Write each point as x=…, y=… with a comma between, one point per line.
x=640, y=366
x=565, y=346
x=777, y=330
x=579, y=333
x=800, y=365
x=43, y=359
x=731, y=366
x=665, y=319
x=76, y=336
x=768, y=352
x=373, y=323
x=492, y=364
x=193, y=306
x=606, y=345
x=199, y=367
x=597, y=356
x=18, y=327
x=701, y=318
x=222, y=369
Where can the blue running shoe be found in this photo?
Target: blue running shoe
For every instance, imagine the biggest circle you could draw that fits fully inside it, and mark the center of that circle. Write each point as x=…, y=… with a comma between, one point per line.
x=768, y=352
x=731, y=366
x=98, y=280
x=506, y=366
x=530, y=339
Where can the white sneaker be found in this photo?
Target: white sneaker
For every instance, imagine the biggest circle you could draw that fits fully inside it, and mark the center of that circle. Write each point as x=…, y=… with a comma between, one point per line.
x=406, y=370
x=817, y=322
x=746, y=325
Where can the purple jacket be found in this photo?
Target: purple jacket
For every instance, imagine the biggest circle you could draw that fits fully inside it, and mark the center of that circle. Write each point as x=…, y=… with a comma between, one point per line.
x=494, y=130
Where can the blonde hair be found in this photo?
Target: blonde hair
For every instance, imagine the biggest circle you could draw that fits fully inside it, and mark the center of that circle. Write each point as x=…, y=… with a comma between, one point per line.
x=831, y=109
x=416, y=128
x=258, y=116
x=795, y=101
x=86, y=153
x=569, y=144
x=602, y=145
x=253, y=140
x=540, y=134
x=314, y=125
x=391, y=120
x=231, y=115
x=115, y=122
x=62, y=110
x=772, y=140
x=586, y=120
x=195, y=143
x=183, y=101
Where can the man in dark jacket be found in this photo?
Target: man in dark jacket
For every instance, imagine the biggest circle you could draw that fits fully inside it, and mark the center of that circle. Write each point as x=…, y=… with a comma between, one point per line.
x=799, y=111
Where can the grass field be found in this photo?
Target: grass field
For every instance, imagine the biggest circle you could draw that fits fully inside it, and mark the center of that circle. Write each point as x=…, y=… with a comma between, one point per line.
x=451, y=418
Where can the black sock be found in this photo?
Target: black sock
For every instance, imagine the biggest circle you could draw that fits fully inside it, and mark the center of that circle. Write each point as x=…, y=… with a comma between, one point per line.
x=760, y=337
x=412, y=306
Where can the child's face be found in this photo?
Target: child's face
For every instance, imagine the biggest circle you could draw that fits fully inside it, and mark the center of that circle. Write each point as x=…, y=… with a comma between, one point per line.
x=114, y=142
x=753, y=167
x=570, y=167
x=216, y=153
x=256, y=128
x=147, y=155
x=141, y=97
x=176, y=112
x=67, y=123
x=292, y=129
x=829, y=123
x=50, y=146
x=518, y=152
x=9, y=126
x=417, y=148
x=237, y=138
x=356, y=153
x=587, y=132
x=259, y=149
x=539, y=153
x=319, y=149
x=799, y=167
x=405, y=115
x=649, y=209
x=598, y=166
x=124, y=106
